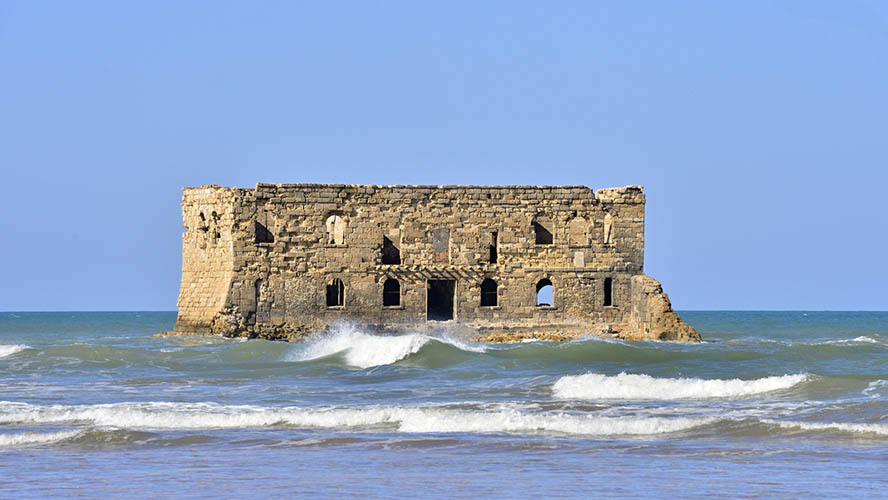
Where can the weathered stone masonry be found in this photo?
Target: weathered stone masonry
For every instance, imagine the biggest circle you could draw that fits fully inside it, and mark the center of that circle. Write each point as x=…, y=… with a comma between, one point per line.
x=283, y=260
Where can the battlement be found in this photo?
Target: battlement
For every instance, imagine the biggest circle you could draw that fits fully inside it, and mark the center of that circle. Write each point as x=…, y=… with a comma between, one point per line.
x=281, y=260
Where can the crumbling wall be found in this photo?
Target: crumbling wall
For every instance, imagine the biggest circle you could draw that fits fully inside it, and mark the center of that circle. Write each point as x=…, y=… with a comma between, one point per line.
x=652, y=315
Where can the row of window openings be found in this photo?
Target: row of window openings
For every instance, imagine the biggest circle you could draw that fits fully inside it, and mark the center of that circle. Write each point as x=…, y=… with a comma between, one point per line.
x=335, y=227
x=390, y=253
x=391, y=293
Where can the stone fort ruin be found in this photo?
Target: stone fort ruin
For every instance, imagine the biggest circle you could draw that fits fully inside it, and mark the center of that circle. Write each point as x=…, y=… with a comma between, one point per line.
x=496, y=262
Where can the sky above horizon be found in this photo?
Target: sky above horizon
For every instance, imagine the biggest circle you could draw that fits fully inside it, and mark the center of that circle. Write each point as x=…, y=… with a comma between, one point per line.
x=757, y=128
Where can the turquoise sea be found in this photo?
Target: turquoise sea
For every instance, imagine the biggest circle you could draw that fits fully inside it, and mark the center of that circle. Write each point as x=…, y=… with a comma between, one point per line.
x=772, y=405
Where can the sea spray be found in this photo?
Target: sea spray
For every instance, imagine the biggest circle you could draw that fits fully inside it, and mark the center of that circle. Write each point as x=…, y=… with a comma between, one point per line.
x=8, y=350
x=645, y=387
x=364, y=350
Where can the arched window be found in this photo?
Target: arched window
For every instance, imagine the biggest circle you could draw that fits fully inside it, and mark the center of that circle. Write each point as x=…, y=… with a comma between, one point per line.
x=545, y=294
x=608, y=292
x=335, y=293
x=488, y=292
x=391, y=292
x=542, y=230
x=335, y=226
x=390, y=253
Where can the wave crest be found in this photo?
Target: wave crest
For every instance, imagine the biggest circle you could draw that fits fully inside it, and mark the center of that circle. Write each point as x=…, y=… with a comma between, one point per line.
x=632, y=386
x=863, y=339
x=863, y=428
x=400, y=419
x=27, y=438
x=7, y=350
x=364, y=350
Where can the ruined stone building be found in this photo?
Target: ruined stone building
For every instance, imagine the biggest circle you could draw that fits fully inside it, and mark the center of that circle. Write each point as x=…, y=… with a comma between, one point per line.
x=500, y=262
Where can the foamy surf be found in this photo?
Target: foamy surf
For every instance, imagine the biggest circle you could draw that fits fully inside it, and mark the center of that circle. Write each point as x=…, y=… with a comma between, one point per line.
x=880, y=429
x=645, y=387
x=863, y=339
x=874, y=388
x=29, y=438
x=184, y=416
x=8, y=350
x=363, y=350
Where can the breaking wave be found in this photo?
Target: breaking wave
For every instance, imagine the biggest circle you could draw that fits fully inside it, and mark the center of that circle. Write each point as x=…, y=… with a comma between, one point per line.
x=880, y=429
x=874, y=388
x=863, y=339
x=183, y=416
x=26, y=438
x=364, y=350
x=631, y=386
x=6, y=350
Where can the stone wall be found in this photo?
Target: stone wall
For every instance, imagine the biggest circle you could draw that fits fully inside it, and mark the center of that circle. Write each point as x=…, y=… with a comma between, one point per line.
x=207, y=257
x=261, y=262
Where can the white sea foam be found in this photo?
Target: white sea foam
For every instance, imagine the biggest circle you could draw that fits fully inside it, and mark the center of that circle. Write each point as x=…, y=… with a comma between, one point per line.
x=26, y=438
x=880, y=429
x=400, y=419
x=363, y=350
x=874, y=388
x=863, y=339
x=6, y=350
x=631, y=386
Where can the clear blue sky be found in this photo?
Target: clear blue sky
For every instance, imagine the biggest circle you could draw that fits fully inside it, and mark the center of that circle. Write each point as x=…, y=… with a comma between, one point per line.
x=759, y=129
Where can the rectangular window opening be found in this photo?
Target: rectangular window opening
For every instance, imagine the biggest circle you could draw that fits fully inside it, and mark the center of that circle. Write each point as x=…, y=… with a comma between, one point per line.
x=440, y=300
x=608, y=292
x=542, y=235
x=263, y=235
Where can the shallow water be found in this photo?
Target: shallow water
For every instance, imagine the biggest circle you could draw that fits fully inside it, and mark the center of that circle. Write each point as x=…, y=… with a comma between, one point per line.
x=776, y=404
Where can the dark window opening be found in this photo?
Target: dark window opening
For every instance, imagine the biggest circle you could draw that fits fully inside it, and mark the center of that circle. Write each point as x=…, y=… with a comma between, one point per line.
x=263, y=235
x=608, y=292
x=390, y=253
x=488, y=292
x=335, y=293
x=493, y=242
x=391, y=292
x=544, y=292
x=439, y=297
x=542, y=234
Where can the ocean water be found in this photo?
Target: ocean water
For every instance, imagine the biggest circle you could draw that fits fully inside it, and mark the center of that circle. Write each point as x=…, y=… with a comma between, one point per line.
x=773, y=404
